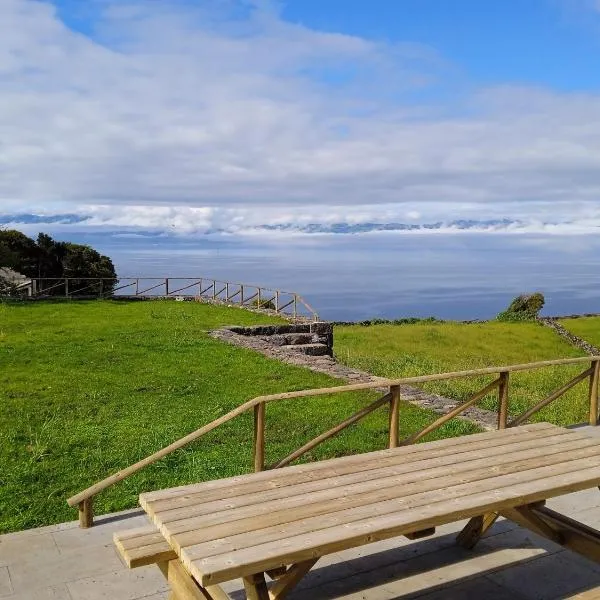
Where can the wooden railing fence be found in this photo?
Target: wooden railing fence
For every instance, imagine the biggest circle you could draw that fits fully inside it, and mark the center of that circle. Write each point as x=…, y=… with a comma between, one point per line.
x=392, y=398
x=214, y=290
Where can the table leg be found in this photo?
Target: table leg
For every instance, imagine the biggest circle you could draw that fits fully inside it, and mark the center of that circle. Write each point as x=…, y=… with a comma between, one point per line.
x=256, y=587
x=474, y=529
x=557, y=527
x=283, y=586
x=185, y=587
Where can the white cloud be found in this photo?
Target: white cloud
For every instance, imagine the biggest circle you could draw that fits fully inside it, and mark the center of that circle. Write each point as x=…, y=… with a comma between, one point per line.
x=170, y=106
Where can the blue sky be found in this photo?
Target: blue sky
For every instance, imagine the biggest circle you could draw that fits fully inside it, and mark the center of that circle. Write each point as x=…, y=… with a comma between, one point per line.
x=546, y=42
x=186, y=116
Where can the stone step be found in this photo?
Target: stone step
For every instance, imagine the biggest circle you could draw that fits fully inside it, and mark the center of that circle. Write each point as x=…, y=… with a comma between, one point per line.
x=291, y=339
x=310, y=349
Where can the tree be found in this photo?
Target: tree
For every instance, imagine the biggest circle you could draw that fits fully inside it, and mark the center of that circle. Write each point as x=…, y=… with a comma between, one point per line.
x=50, y=259
x=18, y=252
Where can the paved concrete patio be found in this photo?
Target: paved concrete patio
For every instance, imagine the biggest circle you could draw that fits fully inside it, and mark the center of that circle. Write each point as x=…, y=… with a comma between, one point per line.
x=63, y=562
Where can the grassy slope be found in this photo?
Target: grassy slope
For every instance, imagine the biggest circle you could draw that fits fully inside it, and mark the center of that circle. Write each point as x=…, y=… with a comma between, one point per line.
x=87, y=388
x=587, y=328
x=406, y=350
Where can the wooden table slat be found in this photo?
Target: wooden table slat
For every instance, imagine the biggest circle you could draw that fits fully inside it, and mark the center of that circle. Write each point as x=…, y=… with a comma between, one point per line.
x=225, y=509
x=477, y=499
x=313, y=472
x=491, y=437
x=227, y=523
x=354, y=507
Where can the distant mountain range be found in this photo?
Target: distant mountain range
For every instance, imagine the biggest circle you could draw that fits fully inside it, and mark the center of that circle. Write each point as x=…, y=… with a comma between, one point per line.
x=367, y=227
x=314, y=228
x=31, y=219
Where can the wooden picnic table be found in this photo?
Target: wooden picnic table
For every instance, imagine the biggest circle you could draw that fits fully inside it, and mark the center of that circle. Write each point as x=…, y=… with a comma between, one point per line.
x=281, y=522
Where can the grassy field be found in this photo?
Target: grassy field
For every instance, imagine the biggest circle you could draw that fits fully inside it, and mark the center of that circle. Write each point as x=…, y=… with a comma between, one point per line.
x=420, y=349
x=87, y=388
x=587, y=328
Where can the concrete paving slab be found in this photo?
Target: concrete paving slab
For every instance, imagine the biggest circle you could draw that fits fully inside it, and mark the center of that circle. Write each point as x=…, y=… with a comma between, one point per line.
x=123, y=584
x=549, y=577
x=5, y=583
x=101, y=534
x=14, y=548
x=55, y=592
x=33, y=573
x=473, y=589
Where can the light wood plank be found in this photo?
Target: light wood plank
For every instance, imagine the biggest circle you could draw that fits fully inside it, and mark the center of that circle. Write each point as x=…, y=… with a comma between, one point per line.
x=143, y=546
x=271, y=480
x=429, y=467
x=235, y=535
x=362, y=492
x=489, y=437
x=218, y=511
x=305, y=546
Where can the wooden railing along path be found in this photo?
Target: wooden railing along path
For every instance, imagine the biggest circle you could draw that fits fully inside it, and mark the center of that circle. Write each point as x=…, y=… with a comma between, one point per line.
x=84, y=499
x=215, y=290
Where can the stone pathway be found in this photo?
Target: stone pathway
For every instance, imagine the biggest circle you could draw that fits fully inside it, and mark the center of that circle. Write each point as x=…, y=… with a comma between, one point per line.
x=329, y=366
x=64, y=562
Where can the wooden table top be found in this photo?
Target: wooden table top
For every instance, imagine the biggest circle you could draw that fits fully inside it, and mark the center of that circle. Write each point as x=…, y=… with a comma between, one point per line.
x=242, y=525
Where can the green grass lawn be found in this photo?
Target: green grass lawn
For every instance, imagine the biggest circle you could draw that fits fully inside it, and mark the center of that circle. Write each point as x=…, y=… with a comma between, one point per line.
x=424, y=348
x=587, y=328
x=88, y=388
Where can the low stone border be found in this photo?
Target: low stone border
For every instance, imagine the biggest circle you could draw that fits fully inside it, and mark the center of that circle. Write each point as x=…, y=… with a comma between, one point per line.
x=573, y=339
x=329, y=366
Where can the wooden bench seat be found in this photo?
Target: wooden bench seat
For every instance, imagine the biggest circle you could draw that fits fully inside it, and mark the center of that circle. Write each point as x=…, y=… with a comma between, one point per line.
x=143, y=546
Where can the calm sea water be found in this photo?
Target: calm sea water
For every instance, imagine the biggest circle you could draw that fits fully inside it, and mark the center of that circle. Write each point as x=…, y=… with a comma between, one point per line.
x=354, y=277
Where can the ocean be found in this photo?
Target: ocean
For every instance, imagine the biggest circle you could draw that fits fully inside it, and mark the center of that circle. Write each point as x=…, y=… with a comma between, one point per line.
x=380, y=275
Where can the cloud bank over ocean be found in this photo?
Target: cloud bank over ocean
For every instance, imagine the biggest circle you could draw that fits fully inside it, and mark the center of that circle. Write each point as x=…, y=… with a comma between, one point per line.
x=190, y=221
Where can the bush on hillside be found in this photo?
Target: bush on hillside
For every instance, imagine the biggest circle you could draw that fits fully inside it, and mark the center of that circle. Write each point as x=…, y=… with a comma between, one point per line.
x=50, y=259
x=525, y=307
x=268, y=304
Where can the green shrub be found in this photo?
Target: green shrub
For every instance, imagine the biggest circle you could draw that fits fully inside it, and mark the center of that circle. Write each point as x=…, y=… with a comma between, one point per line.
x=268, y=304
x=525, y=307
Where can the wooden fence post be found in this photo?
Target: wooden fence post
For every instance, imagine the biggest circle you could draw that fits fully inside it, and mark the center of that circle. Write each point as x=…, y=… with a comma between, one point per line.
x=86, y=513
x=394, y=415
x=594, y=377
x=166, y=286
x=277, y=301
x=503, y=400
x=67, y=287
x=259, y=437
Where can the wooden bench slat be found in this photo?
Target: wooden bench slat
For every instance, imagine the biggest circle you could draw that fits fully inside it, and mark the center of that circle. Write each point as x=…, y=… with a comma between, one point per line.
x=295, y=494
x=481, y=499
x=238, y=523
x=143, y=546
x=489, y=437
x=319, y=515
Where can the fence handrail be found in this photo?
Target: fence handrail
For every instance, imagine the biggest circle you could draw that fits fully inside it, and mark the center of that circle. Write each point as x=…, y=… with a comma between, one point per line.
x=258, y=401
x=133, y=278
x=232, y=292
